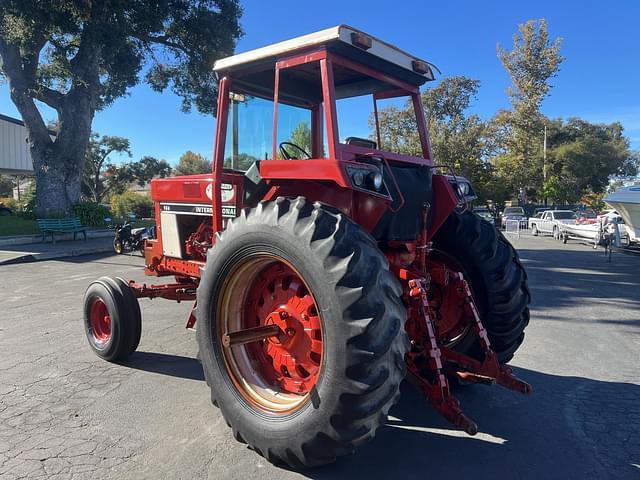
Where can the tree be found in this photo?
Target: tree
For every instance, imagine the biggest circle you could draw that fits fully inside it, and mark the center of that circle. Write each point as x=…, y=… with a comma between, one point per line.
x=78, y=57
x=192, y=163
x=458, y=140
x=531, y=63
x=100, y=176
x=300, y=136
x=146, y=169
x=583, y=155
x=631, y=165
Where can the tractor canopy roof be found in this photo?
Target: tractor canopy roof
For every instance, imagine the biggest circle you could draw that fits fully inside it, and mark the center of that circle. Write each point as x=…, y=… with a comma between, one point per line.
x=254, y=71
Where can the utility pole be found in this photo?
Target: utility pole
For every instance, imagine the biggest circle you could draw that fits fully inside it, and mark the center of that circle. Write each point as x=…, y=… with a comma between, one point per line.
x=544, y=163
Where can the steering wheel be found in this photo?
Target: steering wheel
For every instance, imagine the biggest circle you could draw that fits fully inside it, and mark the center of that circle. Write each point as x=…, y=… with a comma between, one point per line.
x=288, y=156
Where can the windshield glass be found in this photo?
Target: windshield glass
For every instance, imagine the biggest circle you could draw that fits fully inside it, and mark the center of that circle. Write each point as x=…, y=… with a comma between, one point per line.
x=564, y=215
x=374, y=113
x=514, y=211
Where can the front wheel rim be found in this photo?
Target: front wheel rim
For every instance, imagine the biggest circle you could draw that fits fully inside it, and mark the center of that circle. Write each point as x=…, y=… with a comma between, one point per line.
x=275, y=375
x=100, y=321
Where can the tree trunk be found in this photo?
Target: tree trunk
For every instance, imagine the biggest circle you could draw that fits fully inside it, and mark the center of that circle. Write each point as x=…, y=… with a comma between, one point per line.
x=58, y=163
x=58, y=166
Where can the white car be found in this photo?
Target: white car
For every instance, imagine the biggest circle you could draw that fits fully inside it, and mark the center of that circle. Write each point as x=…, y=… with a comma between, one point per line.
x=550, y=220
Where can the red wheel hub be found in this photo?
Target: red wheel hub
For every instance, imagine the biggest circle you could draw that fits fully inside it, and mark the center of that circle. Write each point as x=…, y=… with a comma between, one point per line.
x=100, y=321
x=447, y=300
x=292, y=359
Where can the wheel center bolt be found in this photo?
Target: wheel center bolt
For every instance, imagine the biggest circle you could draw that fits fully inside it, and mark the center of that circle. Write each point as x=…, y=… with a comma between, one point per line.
x=290, y=332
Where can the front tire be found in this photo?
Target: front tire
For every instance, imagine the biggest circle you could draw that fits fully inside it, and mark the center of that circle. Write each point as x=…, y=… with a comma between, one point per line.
x=112, y=318
x=496, y=277
x=307, y=259
x=118, y=247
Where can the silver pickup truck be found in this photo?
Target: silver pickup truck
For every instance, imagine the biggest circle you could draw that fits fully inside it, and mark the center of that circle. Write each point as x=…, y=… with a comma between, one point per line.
x=549, y=220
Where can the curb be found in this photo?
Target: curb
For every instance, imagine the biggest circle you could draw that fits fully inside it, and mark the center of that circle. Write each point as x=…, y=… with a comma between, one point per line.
x=40, y=257
x=31, y=239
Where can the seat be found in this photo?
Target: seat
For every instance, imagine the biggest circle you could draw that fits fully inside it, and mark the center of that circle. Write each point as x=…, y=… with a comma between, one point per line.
x=361, y=142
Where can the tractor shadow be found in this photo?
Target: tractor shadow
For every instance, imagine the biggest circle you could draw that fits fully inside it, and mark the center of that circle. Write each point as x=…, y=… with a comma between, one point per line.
x=166, y=364
x=569, y=427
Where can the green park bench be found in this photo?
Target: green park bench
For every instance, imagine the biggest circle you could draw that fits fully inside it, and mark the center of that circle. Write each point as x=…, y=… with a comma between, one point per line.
x=51, y=226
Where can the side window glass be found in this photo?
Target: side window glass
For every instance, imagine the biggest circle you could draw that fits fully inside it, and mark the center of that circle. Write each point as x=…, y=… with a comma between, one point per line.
x=249, y=131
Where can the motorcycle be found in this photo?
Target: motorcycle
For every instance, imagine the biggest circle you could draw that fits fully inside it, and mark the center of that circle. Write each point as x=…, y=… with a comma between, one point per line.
x=131, y=239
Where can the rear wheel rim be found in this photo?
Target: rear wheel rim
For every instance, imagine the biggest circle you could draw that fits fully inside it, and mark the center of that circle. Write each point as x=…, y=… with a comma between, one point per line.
x=275, y=375
x=100, y=321
x=452, y=323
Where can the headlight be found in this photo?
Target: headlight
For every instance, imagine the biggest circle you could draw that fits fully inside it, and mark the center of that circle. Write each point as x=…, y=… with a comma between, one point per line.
x=463, y=189
x=375, y=179
x=366, y=178
x=358, y=178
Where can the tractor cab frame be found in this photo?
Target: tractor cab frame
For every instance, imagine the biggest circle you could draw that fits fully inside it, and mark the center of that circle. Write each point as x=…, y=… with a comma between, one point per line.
x=374, y=186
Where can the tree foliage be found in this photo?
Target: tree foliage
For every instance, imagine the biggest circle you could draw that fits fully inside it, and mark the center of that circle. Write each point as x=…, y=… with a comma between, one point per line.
x=300, y=136
x=583, y=155
x=192, y=163
x=77, y=57
x=103, y=178
x=100, y=176
x=531, y=63
x=126, y=203
x=146, y=169
x=458, y=140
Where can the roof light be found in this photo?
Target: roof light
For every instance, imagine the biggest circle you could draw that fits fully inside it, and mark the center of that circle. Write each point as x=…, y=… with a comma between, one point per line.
x=361, y=40
x=420, y=67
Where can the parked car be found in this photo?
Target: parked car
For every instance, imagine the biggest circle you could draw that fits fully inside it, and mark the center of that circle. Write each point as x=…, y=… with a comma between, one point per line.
x=550, y=220
x=485, y=214
x=539, y=211
x=513, y=213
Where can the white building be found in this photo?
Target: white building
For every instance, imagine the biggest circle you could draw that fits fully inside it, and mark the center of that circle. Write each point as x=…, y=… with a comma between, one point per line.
x=15, y=158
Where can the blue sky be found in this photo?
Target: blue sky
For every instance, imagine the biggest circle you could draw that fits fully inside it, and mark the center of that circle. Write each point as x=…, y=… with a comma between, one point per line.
x=599, y=80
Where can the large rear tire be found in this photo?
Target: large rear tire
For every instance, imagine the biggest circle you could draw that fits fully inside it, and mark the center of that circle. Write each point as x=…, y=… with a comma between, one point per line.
x=346, y=359
x=496, y=277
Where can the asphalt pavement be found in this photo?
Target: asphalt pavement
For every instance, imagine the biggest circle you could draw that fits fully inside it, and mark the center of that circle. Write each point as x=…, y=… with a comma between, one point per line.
x=65, y=414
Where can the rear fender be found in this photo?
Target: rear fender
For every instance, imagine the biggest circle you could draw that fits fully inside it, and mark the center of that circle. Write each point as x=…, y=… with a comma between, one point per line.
x=445, y=202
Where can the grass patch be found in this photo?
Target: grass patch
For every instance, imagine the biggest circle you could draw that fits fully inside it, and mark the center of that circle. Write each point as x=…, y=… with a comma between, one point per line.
x=12, y=225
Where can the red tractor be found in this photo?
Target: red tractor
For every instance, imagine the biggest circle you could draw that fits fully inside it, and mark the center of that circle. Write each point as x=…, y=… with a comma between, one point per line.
x=324, y=268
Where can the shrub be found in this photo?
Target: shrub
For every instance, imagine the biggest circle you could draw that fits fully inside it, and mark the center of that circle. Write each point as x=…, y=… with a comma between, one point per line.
x=90, y=214
x=9, y=202
x=28, y=201
x=130, y=202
